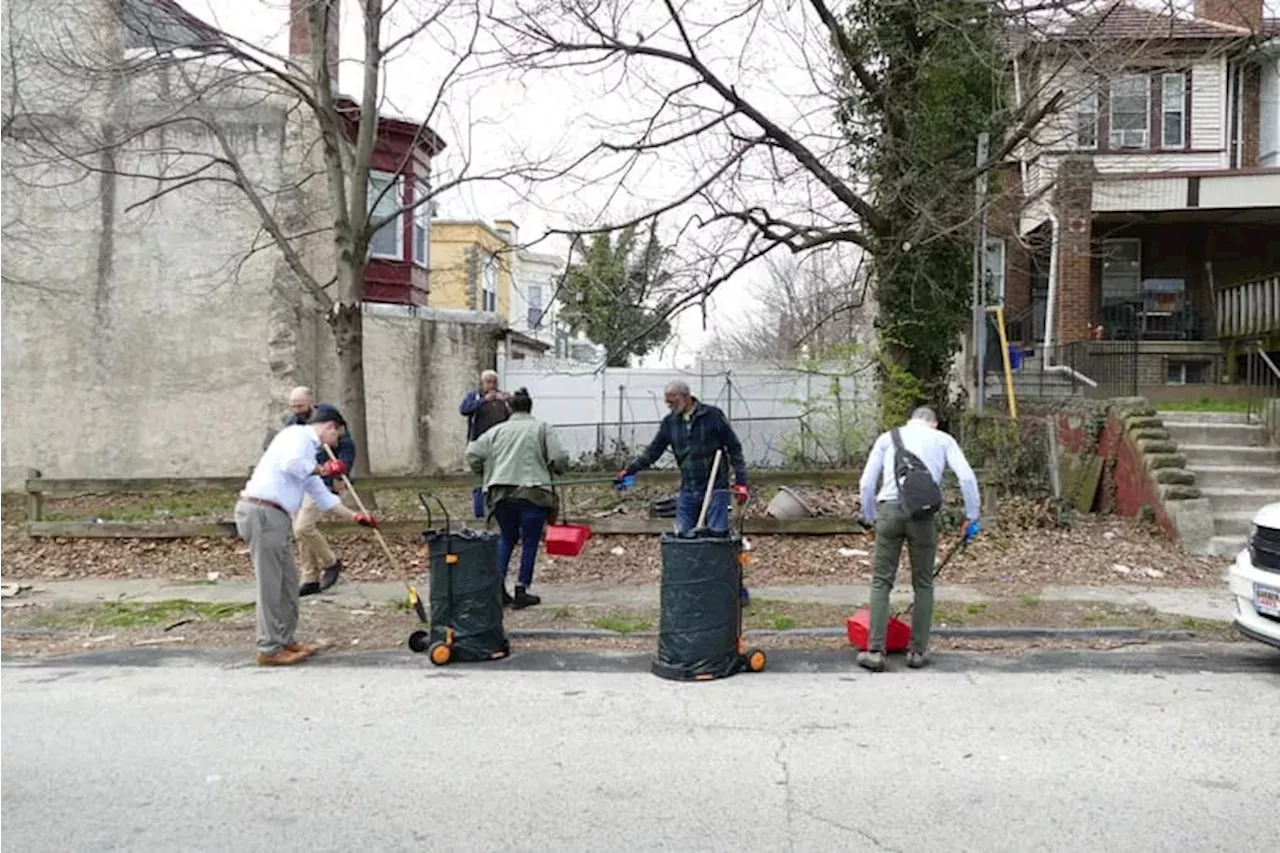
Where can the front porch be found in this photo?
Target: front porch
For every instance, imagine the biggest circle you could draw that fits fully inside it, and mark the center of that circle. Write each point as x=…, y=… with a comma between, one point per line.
x=1168, y=304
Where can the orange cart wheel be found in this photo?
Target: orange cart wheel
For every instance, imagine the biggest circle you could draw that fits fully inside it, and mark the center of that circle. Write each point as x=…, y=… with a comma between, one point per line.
x=756, y=660
x=440, y=654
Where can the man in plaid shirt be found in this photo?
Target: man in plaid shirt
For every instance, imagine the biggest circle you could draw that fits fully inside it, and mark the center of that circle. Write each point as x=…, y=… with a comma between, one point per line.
x=695, y=431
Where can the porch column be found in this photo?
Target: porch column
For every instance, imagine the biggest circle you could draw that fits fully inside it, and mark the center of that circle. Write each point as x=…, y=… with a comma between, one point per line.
x=1075, y=315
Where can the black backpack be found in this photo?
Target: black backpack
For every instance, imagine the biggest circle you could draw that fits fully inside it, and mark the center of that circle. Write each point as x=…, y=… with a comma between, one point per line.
x=918, y=494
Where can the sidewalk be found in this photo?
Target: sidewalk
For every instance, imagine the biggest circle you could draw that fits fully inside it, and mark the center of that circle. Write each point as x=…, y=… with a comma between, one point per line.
x=1201, y=603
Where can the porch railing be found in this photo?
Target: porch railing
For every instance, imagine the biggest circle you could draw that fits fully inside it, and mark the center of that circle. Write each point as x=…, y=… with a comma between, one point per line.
x=1249, y=309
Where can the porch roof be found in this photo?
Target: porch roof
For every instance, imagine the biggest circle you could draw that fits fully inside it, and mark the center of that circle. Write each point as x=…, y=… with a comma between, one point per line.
x=1237, y=190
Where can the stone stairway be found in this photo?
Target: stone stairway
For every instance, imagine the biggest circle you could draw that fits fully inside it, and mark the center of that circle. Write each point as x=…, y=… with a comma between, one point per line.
x=1235, y=468
x=1030, y=383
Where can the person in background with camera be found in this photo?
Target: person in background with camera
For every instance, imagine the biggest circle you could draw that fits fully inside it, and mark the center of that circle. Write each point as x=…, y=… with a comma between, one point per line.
x=518, y=458
x=912, y=459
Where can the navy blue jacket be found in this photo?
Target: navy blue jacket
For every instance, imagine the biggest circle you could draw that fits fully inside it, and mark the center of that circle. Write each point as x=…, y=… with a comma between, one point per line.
x=694, y=442
x=345, y=451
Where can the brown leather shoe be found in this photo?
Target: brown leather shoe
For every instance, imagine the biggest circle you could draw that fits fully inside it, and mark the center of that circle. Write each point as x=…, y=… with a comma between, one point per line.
x=304, y=649
x=284, y=657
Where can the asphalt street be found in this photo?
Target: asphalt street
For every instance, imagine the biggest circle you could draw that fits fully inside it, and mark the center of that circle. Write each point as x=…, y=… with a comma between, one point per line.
x=1153, y=750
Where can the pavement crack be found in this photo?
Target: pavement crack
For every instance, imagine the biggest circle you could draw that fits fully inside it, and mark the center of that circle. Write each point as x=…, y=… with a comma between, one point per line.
x=852, y=830
x=789, y=797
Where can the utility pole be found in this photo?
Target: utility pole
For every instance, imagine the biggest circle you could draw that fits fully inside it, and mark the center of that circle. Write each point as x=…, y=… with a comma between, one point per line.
x=980, y=272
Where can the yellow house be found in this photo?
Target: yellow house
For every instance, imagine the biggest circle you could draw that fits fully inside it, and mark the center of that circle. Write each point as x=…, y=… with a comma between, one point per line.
x=471, y=265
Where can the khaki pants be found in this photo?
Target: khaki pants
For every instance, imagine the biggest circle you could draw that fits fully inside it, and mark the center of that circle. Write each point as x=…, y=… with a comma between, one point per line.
x=265, y=530
x=314, y=553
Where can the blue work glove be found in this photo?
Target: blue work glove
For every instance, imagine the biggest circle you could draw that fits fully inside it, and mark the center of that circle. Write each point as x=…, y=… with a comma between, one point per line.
x=624, y=481
x=972, y=530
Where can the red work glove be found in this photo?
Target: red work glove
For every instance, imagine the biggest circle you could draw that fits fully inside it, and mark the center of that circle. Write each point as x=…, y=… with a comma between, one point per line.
x=332, y=468
x=364, y=519
x=741, y=492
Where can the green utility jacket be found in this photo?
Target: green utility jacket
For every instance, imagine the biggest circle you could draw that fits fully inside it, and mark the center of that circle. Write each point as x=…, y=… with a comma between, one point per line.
x=517, y=458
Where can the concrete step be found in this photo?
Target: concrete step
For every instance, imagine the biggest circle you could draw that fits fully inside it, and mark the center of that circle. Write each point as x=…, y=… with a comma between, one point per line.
x=1234, y=500
x=1213, y=454
x=1233, y=525
x=1204, y=417
x=1210, y=432
x=1227, y=546
x=1237, y=476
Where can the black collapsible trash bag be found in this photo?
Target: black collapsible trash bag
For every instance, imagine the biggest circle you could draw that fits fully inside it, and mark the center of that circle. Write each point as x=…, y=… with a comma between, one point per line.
x=465, y=597
x=700, y=628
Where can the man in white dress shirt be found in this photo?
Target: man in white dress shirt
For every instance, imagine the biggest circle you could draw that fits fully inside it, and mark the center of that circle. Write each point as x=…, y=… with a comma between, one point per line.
x=937, y=450
x=264, y=519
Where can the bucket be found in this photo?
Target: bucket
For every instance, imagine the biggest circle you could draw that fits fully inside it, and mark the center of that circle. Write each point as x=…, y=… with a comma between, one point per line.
x=1016, y=354
x=787, y=504
x=897, y=635
x=566, y=540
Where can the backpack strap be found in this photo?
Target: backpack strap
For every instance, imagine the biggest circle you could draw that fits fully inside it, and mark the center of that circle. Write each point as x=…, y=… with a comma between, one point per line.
x=897, y=438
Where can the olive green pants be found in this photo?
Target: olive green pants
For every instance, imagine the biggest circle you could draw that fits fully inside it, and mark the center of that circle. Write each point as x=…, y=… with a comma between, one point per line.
x=892, y=529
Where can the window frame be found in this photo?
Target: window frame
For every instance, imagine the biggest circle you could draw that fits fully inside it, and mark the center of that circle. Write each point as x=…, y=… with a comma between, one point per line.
x=993, y=276
x=1105, y=245
x=1102, y=103
x=421, y=221
x=490, y=263
x=534, y=319
x=1142, y=87
x=396, y=224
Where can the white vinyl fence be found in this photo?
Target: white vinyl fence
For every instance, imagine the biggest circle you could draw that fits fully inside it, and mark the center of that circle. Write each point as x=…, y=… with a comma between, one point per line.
x=783, y=417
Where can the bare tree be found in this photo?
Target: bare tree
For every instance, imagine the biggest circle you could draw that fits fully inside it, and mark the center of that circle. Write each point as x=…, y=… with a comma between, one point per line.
x=811, y=306
x=760, y=107
x=143, y=90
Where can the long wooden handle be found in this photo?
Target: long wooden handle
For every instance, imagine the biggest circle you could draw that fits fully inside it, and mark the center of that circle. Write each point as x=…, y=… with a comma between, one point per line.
x=711, y=488
x=386, y=549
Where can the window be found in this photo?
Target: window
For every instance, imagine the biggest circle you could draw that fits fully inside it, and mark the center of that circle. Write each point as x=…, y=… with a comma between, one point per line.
x=1087, y=121
x=1186, y=372
x=388, y=241
x=535, y=305
x=1121, y=271
x=1130, y=112
x=995, y=271
x=421, y=224
x=1173, y=111
x=489, y=284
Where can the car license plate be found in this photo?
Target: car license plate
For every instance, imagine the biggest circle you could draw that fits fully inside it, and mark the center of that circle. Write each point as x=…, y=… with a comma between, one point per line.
x=1266, y=600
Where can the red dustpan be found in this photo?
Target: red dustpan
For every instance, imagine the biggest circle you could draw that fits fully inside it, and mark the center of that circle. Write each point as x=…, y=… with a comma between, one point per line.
x=897, y=636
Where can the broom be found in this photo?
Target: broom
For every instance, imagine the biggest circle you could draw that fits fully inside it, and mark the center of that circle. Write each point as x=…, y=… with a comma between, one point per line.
x=414, y=600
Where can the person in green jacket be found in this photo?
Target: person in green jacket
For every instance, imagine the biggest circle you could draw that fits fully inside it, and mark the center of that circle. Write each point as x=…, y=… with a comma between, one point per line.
x=517, y=458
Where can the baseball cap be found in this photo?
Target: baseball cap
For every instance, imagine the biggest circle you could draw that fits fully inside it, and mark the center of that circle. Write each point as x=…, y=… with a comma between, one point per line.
x=326, y=414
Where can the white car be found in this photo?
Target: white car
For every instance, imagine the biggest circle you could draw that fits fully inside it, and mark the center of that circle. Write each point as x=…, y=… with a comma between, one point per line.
x=1255, y=579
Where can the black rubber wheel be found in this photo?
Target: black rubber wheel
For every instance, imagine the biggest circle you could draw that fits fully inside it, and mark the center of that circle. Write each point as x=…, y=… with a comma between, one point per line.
x=419, y=641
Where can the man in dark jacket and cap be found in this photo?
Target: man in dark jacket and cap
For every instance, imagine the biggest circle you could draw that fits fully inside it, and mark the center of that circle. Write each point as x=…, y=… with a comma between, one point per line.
x=319, y=566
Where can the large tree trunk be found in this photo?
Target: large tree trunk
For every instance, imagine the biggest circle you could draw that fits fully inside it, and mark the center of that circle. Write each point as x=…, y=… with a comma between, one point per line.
x=347, y=323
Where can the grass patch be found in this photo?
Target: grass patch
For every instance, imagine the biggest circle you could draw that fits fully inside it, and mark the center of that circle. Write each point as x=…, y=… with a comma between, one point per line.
x=1030, y=601
x=1206, y=404
x=140, y=614
x=623, y=624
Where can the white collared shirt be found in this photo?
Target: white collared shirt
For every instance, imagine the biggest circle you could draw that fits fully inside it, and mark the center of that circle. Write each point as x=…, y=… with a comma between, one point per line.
x=287, y=470
x=936, y=449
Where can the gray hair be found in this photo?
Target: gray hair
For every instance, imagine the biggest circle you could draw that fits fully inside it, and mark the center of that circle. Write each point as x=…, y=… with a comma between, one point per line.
x=488, y=374
x=680, y=387
x=924, y=413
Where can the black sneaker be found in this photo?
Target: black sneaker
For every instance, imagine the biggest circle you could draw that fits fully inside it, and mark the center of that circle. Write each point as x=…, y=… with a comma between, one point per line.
x=309, y=588
x=524, y=599
x=506, y=597
x=330, y=575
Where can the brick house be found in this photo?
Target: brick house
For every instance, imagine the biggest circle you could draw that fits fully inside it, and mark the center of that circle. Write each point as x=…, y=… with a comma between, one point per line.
x=1146, y=208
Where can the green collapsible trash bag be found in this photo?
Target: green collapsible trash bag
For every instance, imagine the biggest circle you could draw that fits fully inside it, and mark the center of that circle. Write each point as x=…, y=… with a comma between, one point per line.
x=466, y=595
x=700, y=627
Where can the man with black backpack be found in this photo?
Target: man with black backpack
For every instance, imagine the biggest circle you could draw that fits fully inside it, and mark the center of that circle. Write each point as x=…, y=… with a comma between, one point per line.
x=912, y=459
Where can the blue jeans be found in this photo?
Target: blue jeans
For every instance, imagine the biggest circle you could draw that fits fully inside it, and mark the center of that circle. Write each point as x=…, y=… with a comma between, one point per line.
x=689, y=505
x=520, y=522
